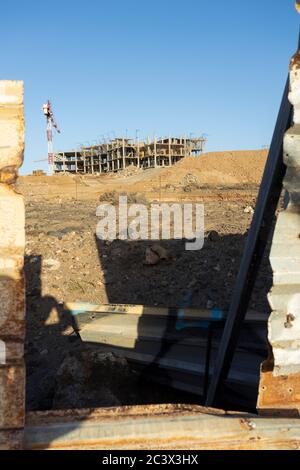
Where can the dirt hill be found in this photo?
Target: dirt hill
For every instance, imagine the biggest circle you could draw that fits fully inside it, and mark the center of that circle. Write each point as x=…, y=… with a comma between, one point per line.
x=225, y=168
x=236, y=168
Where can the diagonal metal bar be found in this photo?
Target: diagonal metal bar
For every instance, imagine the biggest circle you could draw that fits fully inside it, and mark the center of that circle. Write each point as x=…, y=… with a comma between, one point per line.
x=261, y=226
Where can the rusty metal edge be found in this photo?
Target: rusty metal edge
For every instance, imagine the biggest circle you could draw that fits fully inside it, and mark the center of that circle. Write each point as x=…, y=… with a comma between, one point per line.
x=162, y=426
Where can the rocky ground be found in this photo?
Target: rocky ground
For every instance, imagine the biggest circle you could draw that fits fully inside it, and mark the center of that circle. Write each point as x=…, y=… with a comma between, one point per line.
x=65, y=262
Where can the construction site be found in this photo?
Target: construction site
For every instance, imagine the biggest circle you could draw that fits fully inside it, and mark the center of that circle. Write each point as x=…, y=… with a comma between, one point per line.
x=120, y=153
x=135, y=342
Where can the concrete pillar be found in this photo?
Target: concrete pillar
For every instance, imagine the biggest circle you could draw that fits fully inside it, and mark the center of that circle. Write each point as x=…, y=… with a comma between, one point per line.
x=92, y=161
x=12, y=291
x=84, y=162
x=123, y=154
x=76, y=167
x=279, y=391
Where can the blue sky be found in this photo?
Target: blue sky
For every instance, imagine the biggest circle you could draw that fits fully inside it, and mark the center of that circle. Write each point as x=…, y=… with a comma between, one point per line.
x=171, y=66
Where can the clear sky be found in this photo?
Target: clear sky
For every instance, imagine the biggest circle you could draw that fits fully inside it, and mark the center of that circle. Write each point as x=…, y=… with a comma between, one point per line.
x=172, y=66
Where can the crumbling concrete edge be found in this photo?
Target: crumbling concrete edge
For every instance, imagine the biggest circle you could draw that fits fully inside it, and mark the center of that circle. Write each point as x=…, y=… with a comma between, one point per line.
x=279, y=391
x=12, y=289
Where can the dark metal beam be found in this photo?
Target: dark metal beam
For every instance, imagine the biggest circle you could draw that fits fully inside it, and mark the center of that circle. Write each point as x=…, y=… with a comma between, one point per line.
x=261, y=226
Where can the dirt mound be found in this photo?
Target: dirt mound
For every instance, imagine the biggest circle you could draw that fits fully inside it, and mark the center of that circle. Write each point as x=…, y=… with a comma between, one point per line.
x=221, y=168
x=129, y=171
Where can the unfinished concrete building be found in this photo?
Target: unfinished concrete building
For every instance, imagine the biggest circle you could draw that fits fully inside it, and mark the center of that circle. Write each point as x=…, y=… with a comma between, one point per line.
x=119, y=153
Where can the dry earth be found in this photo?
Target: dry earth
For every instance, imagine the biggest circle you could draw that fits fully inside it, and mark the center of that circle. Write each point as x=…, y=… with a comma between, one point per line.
x=65, y=262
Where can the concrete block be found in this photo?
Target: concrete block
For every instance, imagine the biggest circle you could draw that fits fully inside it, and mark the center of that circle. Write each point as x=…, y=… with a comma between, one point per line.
x=281, y=297
x=284, y=298
x=12, y=312
x=11, y=440
x=11, y=127
x=286, y=360
x=287, y=227
x=12, y=396
x=292, y=180
x=12, y=222
x=10, y=265
x=285, y=262
x=11, y=93
x=12, y=290
x=292, y=147
x=282, y=329
x=11, y=351
x=294, y=95
x=278, y=395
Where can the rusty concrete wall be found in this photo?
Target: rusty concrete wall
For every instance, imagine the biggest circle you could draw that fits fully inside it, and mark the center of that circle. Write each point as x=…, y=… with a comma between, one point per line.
x=12, y=291
x=280, y=378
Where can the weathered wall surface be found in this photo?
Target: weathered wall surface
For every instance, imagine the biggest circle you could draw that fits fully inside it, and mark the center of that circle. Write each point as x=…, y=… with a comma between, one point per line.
x=12, y=243
x=280, y=379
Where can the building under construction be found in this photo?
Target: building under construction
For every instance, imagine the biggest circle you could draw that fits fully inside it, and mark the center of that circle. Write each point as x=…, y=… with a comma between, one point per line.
x=119, y=153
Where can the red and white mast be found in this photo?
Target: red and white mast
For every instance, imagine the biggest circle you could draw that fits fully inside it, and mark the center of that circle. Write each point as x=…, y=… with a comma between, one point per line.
x=47, y=109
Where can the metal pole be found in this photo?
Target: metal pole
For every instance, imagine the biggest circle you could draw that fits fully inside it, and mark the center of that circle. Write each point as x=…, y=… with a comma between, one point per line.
x=155, y=162
x=50, y=145
x=261, y=227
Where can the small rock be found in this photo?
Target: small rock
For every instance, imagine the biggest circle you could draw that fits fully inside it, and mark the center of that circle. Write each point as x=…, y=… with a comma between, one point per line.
x=193, y=283
x=56, y=233
x=217, y=268
x=160, y=251
x=44, y=352
x=51, y=264
x=156, y=253
x=152, y=258
x=248, y=210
